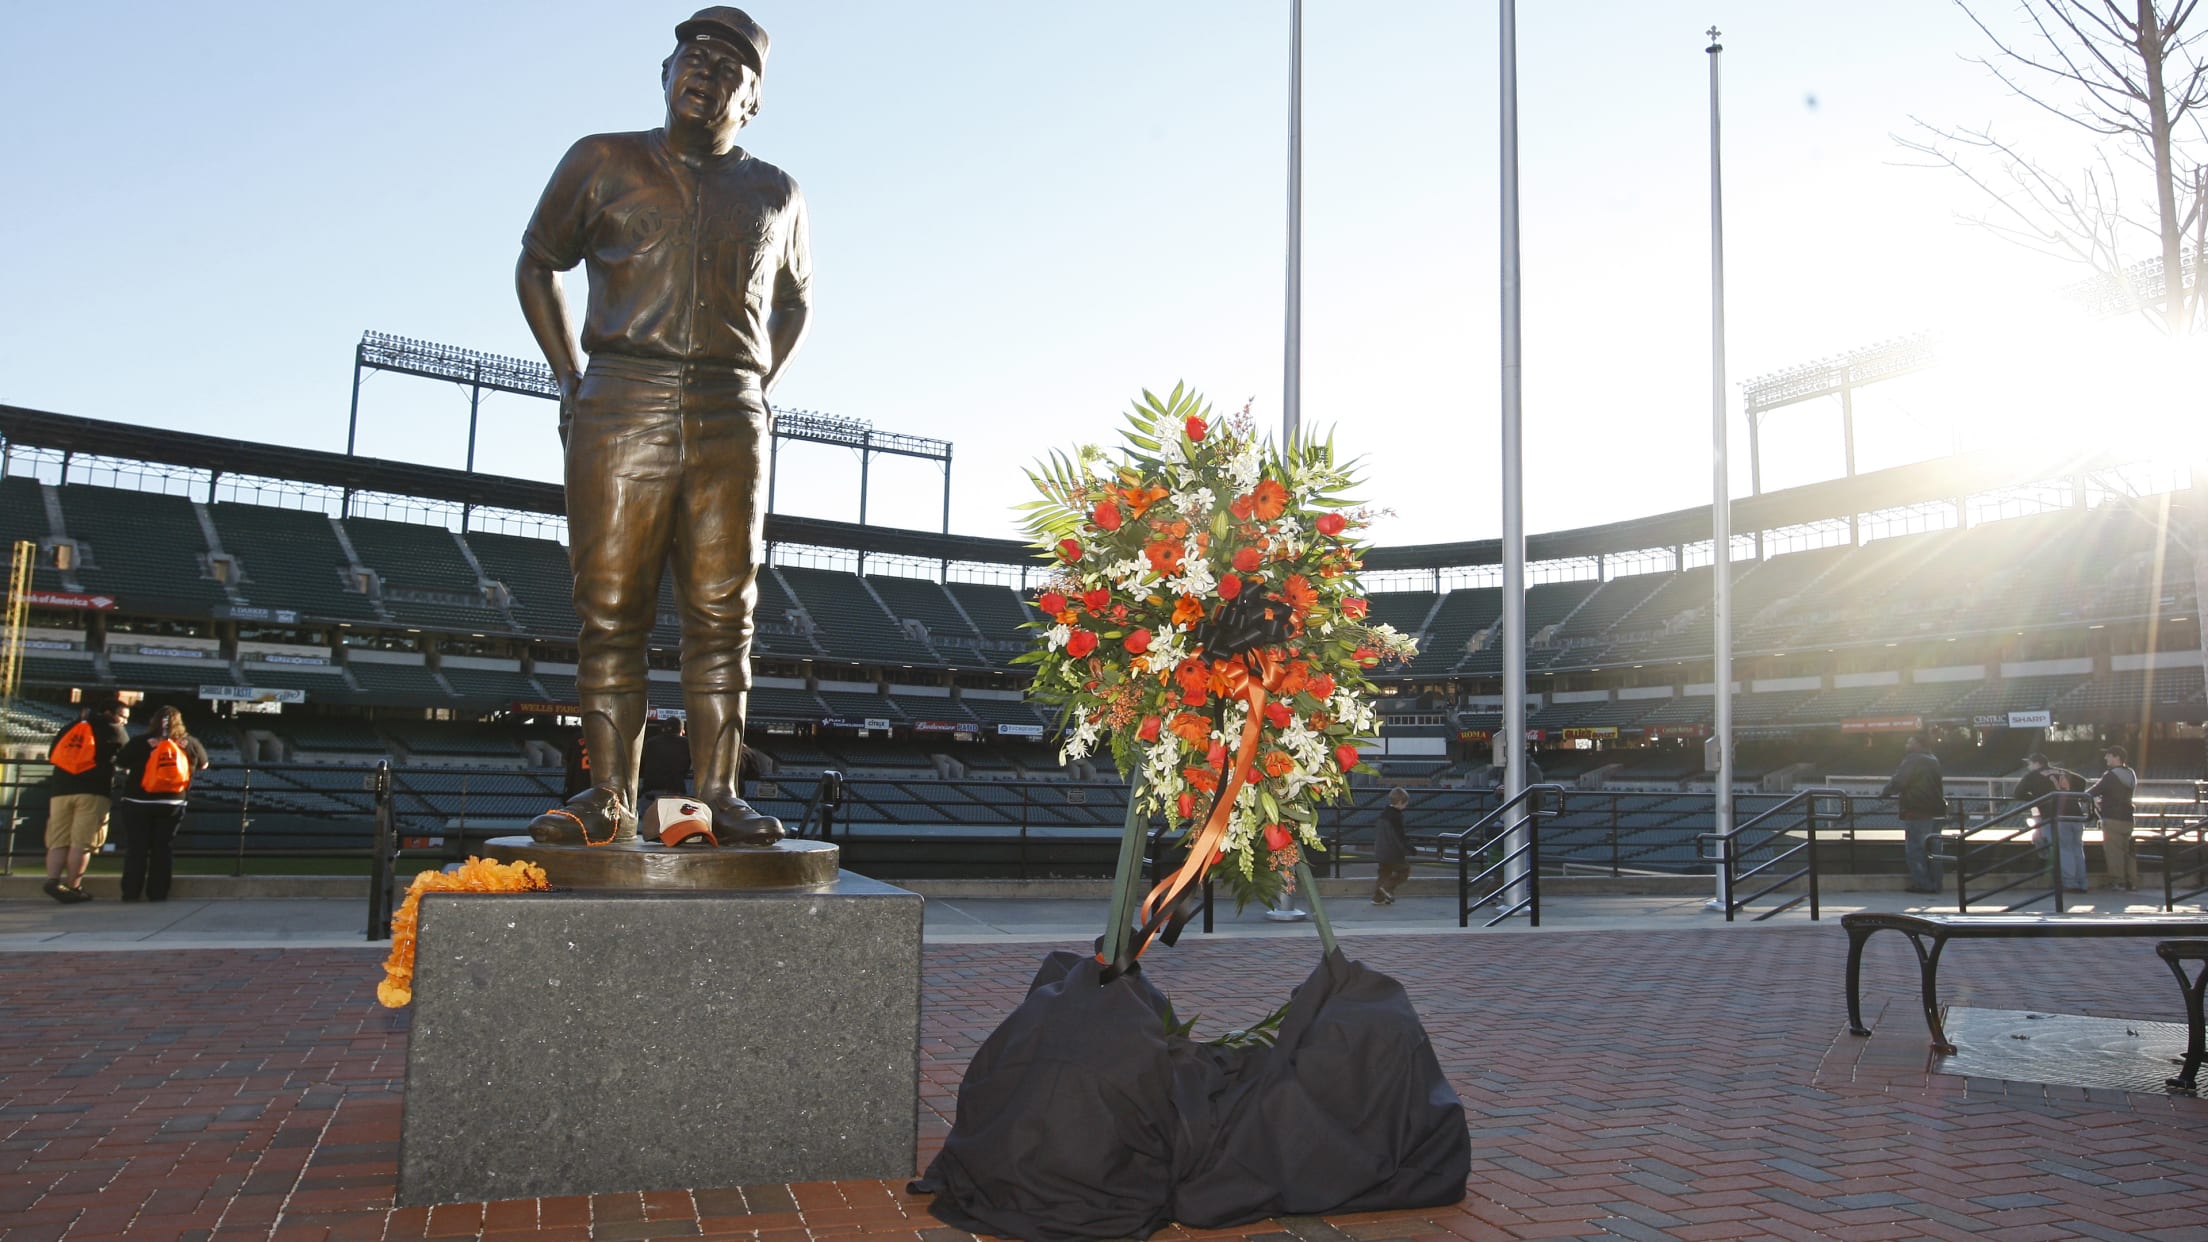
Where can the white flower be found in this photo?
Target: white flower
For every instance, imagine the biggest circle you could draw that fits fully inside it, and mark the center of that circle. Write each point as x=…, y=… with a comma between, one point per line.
x=1167, y=649
x=1058, y=635
x=1079, y=745
x=1195, y=577
x=1244, y=467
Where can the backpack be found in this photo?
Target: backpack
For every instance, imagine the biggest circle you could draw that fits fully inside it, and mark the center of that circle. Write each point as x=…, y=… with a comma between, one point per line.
x=168, y=769
x=76, y=750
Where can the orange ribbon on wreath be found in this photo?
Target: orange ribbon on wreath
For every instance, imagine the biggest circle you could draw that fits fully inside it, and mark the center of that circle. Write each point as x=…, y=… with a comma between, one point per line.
x=1252, y=686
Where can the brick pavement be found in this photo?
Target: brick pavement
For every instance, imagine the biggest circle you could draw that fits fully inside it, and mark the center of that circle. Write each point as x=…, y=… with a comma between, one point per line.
x=1650, y=1084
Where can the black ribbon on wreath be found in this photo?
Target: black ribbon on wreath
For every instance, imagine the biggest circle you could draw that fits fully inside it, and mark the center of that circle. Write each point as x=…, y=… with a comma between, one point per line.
x=1084, y=1116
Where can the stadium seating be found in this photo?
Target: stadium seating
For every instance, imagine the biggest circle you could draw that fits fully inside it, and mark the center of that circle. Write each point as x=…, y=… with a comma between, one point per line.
x=23, y=517
x=145, y=549
x=852, y=706
x=536, y=576
x=483, y=689
x=1463, y=613
x=850, y=623
x=427, y=580
x=2121, y=698
x=954, y=641
x=290, y=559
x=396, y=684
x=780, y=703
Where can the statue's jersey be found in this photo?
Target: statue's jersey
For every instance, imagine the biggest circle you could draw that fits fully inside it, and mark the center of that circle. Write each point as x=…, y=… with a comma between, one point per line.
x=687, y=258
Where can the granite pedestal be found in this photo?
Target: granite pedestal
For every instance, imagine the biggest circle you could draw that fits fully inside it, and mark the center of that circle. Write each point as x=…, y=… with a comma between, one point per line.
x=574, y=1043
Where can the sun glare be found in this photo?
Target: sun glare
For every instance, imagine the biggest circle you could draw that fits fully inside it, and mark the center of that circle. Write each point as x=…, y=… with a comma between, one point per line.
x=2053, y=384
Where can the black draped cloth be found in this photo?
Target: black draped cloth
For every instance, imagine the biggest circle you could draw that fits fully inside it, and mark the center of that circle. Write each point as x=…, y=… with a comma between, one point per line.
x=1082, y=1117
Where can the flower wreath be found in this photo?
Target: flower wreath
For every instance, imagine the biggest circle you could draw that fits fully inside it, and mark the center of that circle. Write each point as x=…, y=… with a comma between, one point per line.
x=1205, y=621
x=476, y=875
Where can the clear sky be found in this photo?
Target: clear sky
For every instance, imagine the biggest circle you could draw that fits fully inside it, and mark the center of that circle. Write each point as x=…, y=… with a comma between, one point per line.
x=1021, y=213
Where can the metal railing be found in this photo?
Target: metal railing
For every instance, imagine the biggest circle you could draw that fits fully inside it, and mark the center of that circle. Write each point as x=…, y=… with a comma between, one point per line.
x=1515, y=867
x=1995, y=843
x=2181, y=855
x=819, y=819
x=383, y=860
x=1757, y=851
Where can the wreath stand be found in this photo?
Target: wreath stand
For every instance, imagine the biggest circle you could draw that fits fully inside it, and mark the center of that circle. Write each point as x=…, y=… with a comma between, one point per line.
x=1087, y=1114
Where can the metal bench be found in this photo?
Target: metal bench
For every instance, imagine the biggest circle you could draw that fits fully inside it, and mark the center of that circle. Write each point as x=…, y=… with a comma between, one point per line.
x=2177, y=953
x=1938, y=929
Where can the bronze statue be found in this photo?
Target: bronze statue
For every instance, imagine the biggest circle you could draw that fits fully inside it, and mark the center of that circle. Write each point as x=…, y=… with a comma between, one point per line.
x=698, y=264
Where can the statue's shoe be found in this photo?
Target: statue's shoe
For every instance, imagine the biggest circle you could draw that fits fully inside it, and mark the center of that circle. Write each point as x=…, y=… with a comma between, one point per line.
x=596, y=816
x=736, y=822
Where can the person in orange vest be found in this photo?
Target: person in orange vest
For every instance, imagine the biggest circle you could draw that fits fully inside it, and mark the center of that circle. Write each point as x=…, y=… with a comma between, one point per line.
x=153, y=783
x=83, y=756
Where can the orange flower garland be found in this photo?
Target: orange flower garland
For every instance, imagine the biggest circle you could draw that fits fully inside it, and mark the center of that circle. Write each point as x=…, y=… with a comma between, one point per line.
x=477, y=875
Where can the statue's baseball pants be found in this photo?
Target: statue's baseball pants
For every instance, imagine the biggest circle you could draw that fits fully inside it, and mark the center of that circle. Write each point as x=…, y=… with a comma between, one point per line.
x=666, y=465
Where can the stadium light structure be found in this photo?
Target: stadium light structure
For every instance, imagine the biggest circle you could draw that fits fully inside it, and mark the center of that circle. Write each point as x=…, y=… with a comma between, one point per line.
x=1838, y=376
x=477, y=371
x=480, y=372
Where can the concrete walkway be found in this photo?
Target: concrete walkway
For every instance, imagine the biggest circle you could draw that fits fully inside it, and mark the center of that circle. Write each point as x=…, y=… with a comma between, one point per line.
x=219, y=913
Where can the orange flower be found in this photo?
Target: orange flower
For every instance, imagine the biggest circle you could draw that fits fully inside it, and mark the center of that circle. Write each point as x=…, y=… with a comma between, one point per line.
x=1191, y=728
x=1140, y=499
x=1165, y=557
x=1278, y=763
x=1202, y=778
x=1298, y=595
x=1268, y=500
x=1187, y=612
x=1194, y=680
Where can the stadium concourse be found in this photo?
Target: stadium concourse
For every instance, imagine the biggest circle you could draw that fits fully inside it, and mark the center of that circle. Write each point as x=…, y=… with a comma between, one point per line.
x=419, y=615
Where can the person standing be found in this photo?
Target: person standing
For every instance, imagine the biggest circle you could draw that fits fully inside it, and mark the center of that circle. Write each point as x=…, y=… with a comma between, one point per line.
x=665, y=771
x=83, y=756
x=1391, y=849
x=1921, y=789
x=2061, y=820
x=700, y=276
x=2111, y=793
x=153, y=782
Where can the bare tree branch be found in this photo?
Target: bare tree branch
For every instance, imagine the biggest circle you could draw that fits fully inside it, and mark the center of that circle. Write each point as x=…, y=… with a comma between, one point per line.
x=2137, y=83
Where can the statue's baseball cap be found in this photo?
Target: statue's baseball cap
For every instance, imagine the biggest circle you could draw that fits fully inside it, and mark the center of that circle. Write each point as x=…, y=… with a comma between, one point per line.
x=733, y=24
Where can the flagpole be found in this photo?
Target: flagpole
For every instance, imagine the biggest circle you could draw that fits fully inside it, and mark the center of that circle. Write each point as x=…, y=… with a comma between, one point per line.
x=1291, y=379
x=1721, y=504
x=1514, y=517
x=1291, y=384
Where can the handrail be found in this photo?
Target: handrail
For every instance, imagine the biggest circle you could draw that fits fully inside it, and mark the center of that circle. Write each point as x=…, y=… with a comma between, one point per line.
x=2054, y=802
x=381, y=868
x=820, y=812
x=1731, y=842
x=2167, y=859
x=1482, y=831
